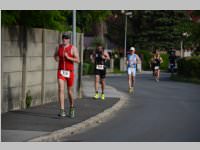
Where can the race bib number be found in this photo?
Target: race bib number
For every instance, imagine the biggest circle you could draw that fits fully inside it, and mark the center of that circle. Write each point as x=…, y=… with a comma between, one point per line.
x=65, y=73
x=156, y=67
x=100, y=67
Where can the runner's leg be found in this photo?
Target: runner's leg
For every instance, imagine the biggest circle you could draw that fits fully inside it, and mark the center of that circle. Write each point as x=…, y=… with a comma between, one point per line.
x=70, y=83
x=129, y=77
x=158, y=76
x=70, y=94
x=133, y=77
x=97, y=83
x=102, y=85
x=61, y=93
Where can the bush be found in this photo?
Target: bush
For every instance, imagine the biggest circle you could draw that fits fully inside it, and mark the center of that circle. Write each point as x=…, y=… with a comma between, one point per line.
x=189, y=67
x=164, y=65
x=117, y=63
x=88, y=68
x=146, y=56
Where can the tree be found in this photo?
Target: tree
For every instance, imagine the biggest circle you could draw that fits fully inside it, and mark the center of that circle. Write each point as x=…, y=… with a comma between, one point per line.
x=148, y=29
x=89, y=22
x=92, y=22
x=87, y=19
x=195, y=36
x=52, y=19
x=158, y=29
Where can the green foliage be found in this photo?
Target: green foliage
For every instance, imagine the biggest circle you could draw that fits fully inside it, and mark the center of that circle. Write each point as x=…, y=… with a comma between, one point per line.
x=9, y=17
x=88, y=68
x=159, y=29
x=97, y=41
x=196, y=52
x=52, y=19
x=189, y=67
x=86, y=19
x=146, y=56
x=28, y=99
x=164, y=65
x=185, y=79
x=195, y=36
x=117, y=63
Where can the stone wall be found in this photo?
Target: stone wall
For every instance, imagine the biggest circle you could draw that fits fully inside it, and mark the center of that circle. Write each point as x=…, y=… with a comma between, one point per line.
x=28, y=65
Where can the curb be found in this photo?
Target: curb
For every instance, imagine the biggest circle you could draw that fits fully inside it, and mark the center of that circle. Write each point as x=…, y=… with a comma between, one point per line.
x=84, y=125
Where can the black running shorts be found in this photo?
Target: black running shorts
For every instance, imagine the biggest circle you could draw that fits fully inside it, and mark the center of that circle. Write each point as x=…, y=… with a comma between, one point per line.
x=101, y=73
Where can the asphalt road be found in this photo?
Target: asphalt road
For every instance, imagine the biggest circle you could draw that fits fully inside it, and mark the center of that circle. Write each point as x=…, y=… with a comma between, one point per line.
x=167, y=111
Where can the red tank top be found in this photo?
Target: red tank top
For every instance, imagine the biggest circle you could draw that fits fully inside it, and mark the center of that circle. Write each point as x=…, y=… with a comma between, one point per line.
x=62, y=59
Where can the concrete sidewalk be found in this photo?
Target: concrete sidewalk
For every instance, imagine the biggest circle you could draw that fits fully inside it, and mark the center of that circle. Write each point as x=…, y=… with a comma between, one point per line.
x=41, y=123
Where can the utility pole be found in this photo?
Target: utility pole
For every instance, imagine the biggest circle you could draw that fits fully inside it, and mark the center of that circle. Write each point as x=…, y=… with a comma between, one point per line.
x=74, y=28
x=125, y=34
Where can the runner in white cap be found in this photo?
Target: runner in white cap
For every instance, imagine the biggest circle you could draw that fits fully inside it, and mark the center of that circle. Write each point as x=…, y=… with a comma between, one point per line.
x=132, y=61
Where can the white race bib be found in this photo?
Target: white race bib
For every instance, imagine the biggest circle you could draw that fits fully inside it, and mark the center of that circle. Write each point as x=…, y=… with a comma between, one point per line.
x=100, y=67
x=65, y=73
x=156, y=67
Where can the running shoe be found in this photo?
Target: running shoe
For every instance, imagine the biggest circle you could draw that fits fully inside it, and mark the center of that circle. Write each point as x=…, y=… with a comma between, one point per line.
x=132, y=89
x=103, y=96
x=129, y=89
x=96, y=96
x=62, y=113
x=72, y=112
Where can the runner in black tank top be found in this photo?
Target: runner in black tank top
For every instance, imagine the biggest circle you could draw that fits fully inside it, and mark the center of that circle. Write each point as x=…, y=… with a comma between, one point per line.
x=99, y=58
x=100, y=62
x=157, y=60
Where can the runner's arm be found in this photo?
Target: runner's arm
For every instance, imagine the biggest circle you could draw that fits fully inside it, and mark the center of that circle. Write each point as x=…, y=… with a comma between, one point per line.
x=75, y=54
x=106, y=55
x=161, y=60
x=127, y=60
x=92, y=57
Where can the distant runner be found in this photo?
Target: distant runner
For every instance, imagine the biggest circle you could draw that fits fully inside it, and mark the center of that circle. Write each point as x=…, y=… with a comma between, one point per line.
x=99, y=58
x=132, y=61
x=156, y=61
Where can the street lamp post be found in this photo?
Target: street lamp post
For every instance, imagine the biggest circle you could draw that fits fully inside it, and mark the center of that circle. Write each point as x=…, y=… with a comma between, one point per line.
x=78, y=67
x=125, y=39
x=185, y=34
x=181, y=48
x=125, y=34
x=74, y=28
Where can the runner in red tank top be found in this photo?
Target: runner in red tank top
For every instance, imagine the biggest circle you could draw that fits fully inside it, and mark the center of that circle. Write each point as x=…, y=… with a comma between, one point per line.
x=65, y=64
x=66, y=54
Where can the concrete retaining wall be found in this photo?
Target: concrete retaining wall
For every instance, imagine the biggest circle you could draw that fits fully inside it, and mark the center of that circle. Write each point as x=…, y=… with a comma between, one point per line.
x=28, y=65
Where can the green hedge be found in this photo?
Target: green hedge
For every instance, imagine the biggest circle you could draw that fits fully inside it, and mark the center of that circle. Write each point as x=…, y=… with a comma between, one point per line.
x=146, y=58
x=189, y=67
x=117, y=63
x=88, y=68
x=164, y=65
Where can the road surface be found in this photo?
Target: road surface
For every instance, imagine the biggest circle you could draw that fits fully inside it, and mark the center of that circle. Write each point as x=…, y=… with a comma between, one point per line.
x=166, y=111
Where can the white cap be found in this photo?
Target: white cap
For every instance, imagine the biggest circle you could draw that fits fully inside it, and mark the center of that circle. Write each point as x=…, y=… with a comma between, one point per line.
x=132, y=48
